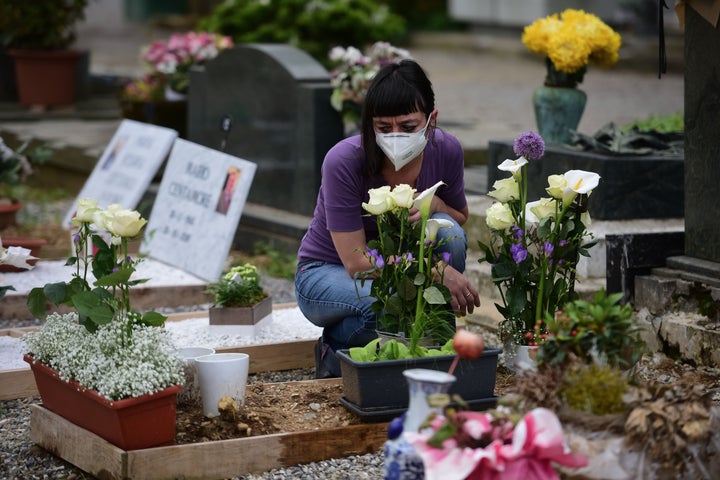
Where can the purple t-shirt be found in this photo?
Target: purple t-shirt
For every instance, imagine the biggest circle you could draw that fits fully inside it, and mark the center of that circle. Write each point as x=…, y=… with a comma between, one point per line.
x=344, y=188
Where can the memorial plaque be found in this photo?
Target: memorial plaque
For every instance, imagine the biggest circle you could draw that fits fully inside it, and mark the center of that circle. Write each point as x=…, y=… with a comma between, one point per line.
x=127, y=166
x=197, y=209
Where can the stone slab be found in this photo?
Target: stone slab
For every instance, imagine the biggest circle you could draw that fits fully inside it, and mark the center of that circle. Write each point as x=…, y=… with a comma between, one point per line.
x=631, y=187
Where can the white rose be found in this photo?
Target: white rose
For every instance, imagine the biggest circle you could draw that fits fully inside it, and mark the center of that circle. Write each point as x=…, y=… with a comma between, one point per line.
x=85, y=213
x=505, y=190
x=403, y=195
x=499, y=216
x=380, y=200
x=557, y=184
x=125, y=223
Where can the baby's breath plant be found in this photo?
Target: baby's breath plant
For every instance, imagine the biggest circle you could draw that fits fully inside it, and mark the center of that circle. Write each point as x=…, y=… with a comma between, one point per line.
x=147, y=362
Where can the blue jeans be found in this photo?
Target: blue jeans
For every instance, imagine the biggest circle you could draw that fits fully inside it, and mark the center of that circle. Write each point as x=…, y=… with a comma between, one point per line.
x=331, y=299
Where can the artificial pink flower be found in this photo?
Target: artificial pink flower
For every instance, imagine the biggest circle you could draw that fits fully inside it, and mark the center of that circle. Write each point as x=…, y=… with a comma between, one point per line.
x=526, y=452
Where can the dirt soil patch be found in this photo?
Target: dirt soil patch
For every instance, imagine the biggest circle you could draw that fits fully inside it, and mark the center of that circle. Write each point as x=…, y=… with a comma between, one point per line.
x=269, y=408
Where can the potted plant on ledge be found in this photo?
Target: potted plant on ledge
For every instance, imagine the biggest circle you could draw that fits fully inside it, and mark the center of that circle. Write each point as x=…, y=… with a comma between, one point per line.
x=38, y=36
x=412, y=311
x=240, y=300
x=104, y=366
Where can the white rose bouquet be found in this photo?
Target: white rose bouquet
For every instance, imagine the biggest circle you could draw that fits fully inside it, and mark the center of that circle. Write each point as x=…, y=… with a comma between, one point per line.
x=411, y=300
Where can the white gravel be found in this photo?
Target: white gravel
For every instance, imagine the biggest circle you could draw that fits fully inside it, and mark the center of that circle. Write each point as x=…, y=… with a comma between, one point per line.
x=158, y=274
x=285, y=324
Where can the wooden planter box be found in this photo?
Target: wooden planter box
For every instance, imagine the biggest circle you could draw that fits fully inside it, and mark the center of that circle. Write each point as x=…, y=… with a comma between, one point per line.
x=199, y=461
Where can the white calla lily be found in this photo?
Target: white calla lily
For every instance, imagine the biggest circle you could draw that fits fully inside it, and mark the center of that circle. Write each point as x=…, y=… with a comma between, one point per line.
x=435, y=224
x=513, y=166
x=423, y=201
x=579, y=182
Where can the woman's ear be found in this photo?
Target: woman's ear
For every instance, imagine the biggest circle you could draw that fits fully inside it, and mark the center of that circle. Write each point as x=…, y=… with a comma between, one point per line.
x=433, y=118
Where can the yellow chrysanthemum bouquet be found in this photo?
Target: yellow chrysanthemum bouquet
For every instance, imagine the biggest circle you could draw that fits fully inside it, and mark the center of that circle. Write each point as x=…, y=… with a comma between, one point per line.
x=569, y=41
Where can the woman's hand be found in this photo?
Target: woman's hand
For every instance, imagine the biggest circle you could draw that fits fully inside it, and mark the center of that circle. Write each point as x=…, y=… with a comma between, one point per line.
x=465, y=297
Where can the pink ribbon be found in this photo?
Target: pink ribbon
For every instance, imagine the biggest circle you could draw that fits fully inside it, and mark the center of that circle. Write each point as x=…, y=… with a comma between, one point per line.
x=535, y=444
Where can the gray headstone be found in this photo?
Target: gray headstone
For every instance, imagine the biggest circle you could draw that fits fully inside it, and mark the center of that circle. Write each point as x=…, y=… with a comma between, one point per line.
x=278, y=99
x=702, y=137
x=127, y=166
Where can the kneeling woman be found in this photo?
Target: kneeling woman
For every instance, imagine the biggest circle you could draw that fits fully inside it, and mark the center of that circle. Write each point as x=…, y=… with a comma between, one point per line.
x=399, y=144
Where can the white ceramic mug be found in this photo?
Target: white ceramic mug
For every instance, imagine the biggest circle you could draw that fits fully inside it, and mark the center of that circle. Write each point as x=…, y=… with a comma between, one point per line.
x=222, y=375
x=190, y=393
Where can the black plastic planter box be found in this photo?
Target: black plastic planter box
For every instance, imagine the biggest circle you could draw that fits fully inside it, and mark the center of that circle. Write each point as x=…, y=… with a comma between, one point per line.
x=381, y=385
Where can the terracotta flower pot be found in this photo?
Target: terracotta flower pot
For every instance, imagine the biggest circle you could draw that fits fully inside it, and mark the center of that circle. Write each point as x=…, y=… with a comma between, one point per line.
x=8, y=213
x=35, y=68
x=131, y=424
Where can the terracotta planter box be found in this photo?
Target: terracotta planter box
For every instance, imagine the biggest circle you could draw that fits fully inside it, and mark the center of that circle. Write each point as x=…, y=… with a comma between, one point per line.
x=378, y=390
x=240, y=320
x=19, y=382
x=132, y=423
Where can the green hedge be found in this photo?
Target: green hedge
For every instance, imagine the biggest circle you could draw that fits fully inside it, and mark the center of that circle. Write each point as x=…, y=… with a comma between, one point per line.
x=314, y=26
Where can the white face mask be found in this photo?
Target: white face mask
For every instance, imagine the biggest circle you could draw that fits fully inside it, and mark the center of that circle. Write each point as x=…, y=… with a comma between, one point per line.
x=400, y=148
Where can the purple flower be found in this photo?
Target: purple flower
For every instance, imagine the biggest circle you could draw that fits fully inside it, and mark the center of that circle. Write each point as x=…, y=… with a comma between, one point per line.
x=529, y=145
x=517, y=232
x=519, y=253
x=446, y=258
x=548, y=248
x=380, y=262
x=563, y=243
x=409, y=257
x=76, y=238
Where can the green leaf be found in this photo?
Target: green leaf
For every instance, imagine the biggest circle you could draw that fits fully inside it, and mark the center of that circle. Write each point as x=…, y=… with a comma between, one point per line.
x=57, y=293
x=119, y=277
x=36, y=302
x=434, y=296
x=92, y=306
x=153, y=319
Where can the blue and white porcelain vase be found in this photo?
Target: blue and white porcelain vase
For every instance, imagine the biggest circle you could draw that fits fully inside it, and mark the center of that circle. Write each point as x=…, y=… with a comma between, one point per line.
x=401, y=460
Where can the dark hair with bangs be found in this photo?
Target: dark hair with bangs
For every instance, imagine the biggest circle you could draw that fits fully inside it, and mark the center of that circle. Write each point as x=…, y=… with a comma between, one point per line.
x=397, y=89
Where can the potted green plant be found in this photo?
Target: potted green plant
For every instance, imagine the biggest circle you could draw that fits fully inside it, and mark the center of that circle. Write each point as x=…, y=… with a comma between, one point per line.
x=415, y=323
x=104, y=366
x=600, y=331
x=239, y=299
x=535, y=246
x=38, y=36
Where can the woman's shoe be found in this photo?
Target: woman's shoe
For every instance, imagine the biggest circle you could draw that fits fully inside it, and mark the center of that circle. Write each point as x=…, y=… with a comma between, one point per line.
x=327, y=364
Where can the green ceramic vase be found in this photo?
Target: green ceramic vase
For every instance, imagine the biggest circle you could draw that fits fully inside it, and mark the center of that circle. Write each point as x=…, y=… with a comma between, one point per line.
x=558, y=111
